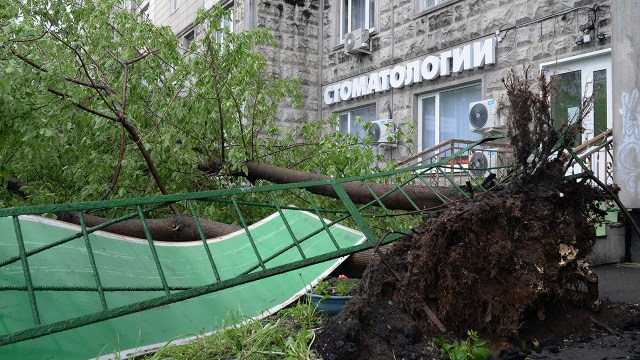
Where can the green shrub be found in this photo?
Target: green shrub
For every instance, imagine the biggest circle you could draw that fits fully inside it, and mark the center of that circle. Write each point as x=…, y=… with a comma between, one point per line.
x=473, y=348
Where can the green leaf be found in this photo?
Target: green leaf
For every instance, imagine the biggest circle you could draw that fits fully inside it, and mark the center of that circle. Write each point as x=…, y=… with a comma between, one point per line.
x=480, y=353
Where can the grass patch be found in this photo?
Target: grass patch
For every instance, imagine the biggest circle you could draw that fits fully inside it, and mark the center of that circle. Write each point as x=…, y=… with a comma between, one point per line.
x=286, y=335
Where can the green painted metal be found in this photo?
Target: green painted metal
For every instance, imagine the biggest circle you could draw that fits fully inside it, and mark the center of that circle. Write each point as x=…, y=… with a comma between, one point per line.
x=127, y=262
x=75, y=291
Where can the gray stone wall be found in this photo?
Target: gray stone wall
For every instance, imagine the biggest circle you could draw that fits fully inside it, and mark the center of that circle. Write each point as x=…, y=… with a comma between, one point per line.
x=295, y=26
x=531, y=34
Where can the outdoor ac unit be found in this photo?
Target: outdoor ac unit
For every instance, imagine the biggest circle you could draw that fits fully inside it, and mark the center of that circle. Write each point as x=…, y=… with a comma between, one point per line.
x=357, y=42
x=483, y=117
x=383, y=131
x=481, y=163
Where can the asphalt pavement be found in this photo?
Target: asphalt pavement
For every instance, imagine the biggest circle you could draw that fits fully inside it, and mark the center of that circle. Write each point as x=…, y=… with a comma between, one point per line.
x=619, y=282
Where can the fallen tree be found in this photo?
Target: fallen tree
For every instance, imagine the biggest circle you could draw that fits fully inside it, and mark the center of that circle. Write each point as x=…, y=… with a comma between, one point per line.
x=83, y=82
x=486, y=263
x=175, y=228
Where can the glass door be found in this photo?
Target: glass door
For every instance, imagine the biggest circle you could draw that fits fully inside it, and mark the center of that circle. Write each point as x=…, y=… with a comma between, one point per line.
x=576, y=79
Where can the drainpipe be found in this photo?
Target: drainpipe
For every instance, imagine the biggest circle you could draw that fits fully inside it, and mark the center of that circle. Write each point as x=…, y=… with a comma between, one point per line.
x=320, y=56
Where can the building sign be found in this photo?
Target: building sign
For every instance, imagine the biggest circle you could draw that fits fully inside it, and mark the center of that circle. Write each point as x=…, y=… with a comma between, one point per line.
x=468, y=57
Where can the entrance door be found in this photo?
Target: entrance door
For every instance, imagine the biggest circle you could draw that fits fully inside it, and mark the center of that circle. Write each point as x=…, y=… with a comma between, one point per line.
x=578, y=78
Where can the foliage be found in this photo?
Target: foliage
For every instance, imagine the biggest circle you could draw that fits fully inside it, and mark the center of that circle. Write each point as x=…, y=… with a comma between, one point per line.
x=340, y=287
x=473, y=348
x=65, y=59
x=289, y=336
x=83, y=77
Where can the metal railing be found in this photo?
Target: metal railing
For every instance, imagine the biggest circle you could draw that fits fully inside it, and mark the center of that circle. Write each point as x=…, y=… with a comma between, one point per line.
x=597, y=154
x=379, y=215
x=496, y=157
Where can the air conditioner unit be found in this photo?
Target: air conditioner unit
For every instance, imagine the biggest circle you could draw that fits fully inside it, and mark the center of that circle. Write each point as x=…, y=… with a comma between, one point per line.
x=383, y=131
x=481, y=163
x=357, y=42
x=483, y=117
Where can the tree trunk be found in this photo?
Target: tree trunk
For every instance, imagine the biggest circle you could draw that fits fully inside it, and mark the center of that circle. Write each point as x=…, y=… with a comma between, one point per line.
x=176, y=228
x=182, y=228
x=358, y=192
x=15, y=186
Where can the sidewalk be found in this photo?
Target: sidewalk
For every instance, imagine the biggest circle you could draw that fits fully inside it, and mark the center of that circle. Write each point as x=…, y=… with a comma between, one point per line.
x=619, y=282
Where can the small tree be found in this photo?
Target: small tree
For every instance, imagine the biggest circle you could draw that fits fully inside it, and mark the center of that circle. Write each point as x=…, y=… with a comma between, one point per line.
x=101, y=103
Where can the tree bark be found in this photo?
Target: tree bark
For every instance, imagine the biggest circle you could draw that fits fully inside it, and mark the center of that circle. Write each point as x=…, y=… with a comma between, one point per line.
x=358, y=192
x=176, y=228
x=15, y=186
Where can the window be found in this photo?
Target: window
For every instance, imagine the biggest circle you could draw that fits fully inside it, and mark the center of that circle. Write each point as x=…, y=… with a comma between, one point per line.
x=187, y=39
x=175, y=4
x=348, y=124
x=423, y=5
x=445, y=115
x=145, y=10
x=226, y=23
x=579, y=78
x=356, y=14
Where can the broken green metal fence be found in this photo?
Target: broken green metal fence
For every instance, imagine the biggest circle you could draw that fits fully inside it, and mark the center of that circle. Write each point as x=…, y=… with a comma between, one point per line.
x=322, y=219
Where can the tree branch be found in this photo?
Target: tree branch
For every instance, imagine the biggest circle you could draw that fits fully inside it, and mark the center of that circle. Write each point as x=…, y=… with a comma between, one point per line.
x=176, y=228
x=27, y=60
x=15, y=186
x=147, y=158
x=73, y=80
x=216, y=88
x=143, y=56
x=84, y=68
x=83, y=107
x=422, y=196
x=116, y=172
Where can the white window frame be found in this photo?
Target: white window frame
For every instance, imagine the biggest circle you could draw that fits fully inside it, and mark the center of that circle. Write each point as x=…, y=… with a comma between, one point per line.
x=350, y=112
x=228, y=7
x=436, y=96
x=188, y=38
x=367, y=17
x=421, y=7
x=587, y=64
x=175, y=4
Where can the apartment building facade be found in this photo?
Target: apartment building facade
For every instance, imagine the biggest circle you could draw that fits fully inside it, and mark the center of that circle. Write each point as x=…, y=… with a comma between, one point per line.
x=421, y=65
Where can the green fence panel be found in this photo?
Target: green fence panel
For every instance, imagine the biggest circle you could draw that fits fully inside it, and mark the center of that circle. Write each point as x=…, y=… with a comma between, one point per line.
x=73, y=292
x=127, y=263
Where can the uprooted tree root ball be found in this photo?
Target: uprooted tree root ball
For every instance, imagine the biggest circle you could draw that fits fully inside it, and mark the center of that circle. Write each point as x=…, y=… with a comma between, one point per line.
x=485, y=263
x=480, y=265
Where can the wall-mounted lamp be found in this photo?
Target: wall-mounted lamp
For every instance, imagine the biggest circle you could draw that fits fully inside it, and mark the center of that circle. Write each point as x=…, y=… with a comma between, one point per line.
x=601, y=37
x=584, y=39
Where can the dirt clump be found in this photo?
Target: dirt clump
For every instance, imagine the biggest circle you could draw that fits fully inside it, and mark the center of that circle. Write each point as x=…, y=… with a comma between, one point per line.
x=480, y=265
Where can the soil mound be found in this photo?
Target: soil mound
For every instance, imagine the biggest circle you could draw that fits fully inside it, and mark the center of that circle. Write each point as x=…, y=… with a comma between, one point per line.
x=480, y=265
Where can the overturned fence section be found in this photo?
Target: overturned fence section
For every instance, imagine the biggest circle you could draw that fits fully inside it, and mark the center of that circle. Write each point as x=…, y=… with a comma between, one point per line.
x=79, y=291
